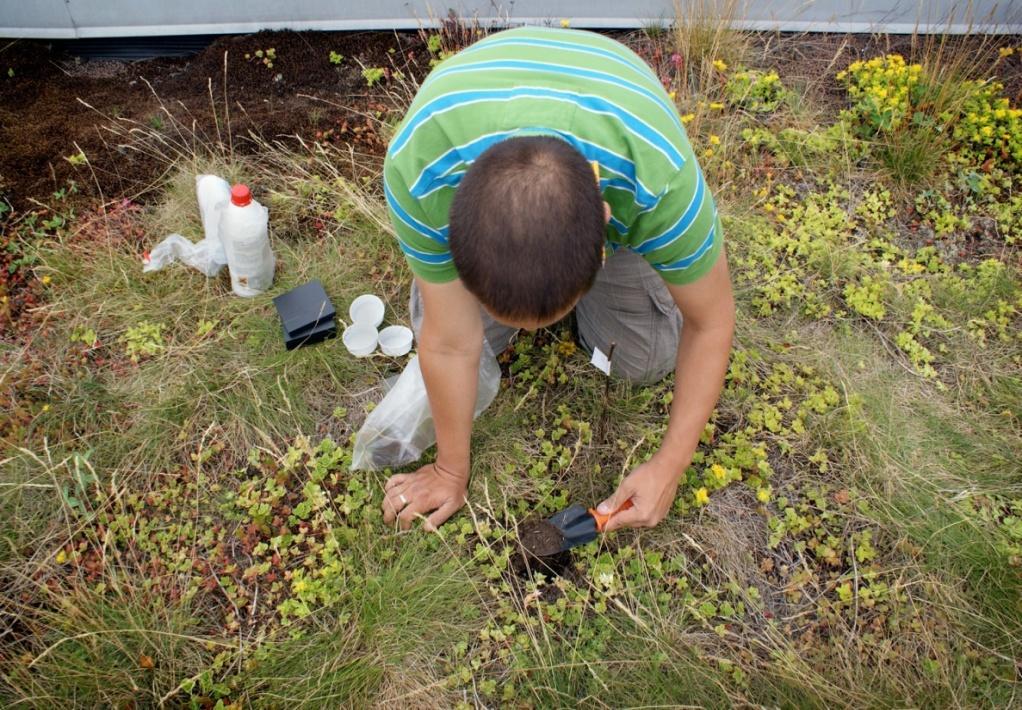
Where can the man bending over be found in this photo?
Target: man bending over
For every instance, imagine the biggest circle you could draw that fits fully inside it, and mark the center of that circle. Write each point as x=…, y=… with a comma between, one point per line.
x=539, y=171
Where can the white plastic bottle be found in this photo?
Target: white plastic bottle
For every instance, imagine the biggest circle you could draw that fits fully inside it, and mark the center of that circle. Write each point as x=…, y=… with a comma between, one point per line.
x=244, y=232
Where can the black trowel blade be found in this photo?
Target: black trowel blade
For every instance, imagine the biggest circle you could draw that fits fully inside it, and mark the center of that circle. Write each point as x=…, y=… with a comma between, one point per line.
x=577, y=526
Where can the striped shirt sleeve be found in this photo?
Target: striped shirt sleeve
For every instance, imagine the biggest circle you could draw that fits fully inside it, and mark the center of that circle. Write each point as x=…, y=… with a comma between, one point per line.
x=681, y=237
x=423, y=243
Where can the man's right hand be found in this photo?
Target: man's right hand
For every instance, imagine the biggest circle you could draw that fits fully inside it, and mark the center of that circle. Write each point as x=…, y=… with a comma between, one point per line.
x=433, y=490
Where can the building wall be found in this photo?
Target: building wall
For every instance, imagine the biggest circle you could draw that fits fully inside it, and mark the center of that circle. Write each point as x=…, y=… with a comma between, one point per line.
x=119, y=18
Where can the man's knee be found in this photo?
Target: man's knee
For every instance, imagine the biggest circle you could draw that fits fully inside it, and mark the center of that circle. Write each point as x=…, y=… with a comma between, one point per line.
x=642, y=360
x=644, y=367
x=648, y=375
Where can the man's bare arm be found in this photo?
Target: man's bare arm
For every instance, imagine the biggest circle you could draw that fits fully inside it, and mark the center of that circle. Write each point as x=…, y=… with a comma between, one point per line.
x=709, y=319
x=708, y=309
x=450, y=344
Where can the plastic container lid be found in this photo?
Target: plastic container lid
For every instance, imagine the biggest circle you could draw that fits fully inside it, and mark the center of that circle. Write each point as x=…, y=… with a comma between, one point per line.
x=241, y=195
x=395, y=340
x=360, y=339
x=367, y=309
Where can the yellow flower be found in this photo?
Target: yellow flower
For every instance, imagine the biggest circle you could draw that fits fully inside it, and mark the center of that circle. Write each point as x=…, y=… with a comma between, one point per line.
x=708, y=153
x=565, y=23
x=717, y=106
x=702, y=497
x=46, y=280
x=672, y=95
x=719, y=65
x=687, y=118
x=714, y=139
x=763, y=495
x=1006, y=51
x=911, y=267
x=61, y=557
x=46, y=408
x=718, y=471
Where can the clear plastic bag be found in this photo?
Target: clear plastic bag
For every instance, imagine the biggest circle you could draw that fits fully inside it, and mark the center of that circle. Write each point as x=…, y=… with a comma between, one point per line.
x=213, y=193
x=206, y=255
x=197, y=255
x=401, y=427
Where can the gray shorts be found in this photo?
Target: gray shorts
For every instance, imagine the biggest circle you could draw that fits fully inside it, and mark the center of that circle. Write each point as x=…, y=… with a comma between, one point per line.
x=629, y=304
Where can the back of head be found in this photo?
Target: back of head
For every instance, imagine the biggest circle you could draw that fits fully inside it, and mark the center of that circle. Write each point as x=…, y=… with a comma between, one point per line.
x=527, y=228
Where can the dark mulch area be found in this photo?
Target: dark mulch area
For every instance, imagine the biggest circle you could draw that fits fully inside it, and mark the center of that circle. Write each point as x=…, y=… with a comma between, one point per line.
x=43, y=117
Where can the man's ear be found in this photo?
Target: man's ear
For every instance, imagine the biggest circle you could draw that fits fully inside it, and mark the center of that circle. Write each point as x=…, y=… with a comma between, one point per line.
x=606, y=213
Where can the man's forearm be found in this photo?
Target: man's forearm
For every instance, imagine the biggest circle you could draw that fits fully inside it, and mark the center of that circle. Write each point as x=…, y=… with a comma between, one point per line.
x=699, y=375
x=451, y=375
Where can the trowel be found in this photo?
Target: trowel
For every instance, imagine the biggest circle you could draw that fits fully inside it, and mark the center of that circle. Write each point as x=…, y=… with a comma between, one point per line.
x=566, y=529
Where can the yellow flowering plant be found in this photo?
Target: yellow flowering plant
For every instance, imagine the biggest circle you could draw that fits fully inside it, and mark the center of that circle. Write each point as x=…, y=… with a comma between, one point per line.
x=888, y=95
x=755, y=90
x=988, y=127
x=884, y=91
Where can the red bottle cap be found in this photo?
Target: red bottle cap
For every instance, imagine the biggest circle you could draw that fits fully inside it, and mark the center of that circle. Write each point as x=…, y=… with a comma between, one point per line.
x=240, y=195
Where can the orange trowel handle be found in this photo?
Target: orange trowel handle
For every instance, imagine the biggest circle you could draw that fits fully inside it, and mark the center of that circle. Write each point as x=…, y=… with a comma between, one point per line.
x=601, y=520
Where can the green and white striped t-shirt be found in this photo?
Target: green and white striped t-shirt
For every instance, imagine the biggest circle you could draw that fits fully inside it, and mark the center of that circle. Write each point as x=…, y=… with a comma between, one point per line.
x=587, y=89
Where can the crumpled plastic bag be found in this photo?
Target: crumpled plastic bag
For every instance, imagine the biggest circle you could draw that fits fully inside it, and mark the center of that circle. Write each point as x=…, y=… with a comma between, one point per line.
x=198, y=255
x=206, y=255
x=401, y=426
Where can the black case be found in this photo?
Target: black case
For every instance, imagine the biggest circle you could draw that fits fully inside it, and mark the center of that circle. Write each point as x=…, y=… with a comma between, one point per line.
x=310, y=335
x=304, y=308
x=306, y=315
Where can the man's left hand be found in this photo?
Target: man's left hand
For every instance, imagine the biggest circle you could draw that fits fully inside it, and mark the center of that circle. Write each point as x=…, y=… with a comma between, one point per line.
x=651, y=488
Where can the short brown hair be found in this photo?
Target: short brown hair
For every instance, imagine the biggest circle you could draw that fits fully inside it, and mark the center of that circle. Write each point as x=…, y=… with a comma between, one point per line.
x=527, y=227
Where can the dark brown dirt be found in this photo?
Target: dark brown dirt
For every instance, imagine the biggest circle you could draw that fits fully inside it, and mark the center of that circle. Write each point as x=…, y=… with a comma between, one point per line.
x=540, y=538
x=538, y=551
x=44, y=117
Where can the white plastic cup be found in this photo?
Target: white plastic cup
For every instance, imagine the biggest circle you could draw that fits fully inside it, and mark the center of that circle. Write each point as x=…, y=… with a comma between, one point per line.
x=360, y=339
x=396, y=340
x=367, y=309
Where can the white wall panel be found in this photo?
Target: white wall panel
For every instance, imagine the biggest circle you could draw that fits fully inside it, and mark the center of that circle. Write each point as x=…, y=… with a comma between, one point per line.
x=114, y=18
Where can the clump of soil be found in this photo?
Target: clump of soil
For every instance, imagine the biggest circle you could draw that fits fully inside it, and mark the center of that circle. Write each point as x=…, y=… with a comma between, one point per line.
x=540, y=538
x=539, y=550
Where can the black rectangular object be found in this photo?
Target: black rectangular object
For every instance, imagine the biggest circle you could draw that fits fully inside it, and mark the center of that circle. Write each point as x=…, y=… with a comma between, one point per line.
x=303, y=309
x=314, y=334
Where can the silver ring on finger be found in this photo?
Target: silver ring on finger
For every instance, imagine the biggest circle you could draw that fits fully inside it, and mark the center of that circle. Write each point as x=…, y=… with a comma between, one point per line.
x=401, y=497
